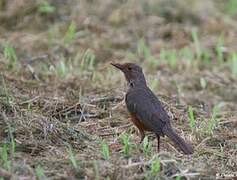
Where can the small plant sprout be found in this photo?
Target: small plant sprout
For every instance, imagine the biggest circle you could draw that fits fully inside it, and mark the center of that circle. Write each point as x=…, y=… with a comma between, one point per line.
x=187, y=55
x=192, y=122
x=10, y=55
x=62, y=69
x=74, y=162
x=233, y=64
x=73, y=158
x=178, y=177
x=126, y=145
x=203, y=83
x=29, y=107
x=40, y=173
x=9, y=101
x=13, y=143
x=70, y=35
x=163, y=54
x=10, y=131
x=46, y=8
x=212, y=122
x=220, y=49
x=146, y=146
x=170, y=57
x=88, y=60
x=206, y=57
x=4, y=161
x=155, y=166
x=143, y=51
x=197, y=45
x=96, y=170
x=131, y=56
x=105, y=150
x=7, y=98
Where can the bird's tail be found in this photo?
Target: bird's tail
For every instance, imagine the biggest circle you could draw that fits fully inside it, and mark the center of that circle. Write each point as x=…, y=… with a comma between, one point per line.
x=186, y=148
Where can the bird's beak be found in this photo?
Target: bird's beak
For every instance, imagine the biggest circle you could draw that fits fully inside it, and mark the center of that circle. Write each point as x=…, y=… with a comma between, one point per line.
x=117, y=65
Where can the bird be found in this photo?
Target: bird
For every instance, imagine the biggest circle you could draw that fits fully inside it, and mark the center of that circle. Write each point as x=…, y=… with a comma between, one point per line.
x=146, y=110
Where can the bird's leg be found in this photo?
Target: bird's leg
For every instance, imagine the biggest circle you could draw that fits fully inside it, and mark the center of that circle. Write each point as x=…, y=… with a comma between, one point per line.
x=158, y=142
x=142, y=134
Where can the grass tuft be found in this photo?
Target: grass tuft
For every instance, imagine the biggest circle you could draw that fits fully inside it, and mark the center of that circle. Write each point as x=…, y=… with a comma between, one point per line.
x=46, y=8
x=105, y=150
x=169, y=56
x=233, y=64
x=155, y=166
x=72, y=158
x=192, y=121
x=220, y=49
x=212, y=122
x=62, y=69
x=127, y=146
x=144, y=52
x=187, y=55
x=88, y=60
x=70, y=35
x=40, y=173
x=10, y=55
x=146, y=146
x=197, y=45
x=6, y=99
x=5, y=161
x=96, y=170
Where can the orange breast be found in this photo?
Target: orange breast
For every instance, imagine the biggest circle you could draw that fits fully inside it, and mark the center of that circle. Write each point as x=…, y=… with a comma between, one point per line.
x=138, y=123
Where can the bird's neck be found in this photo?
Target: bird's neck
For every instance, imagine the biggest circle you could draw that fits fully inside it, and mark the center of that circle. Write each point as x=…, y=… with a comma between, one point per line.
x=140, y=82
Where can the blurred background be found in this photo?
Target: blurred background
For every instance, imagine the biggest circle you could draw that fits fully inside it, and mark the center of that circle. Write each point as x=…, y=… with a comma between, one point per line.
x=170, y=33
x=57, y=86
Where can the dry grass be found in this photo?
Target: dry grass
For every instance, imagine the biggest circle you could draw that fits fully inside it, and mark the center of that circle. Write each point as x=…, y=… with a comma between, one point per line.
x=60, y=100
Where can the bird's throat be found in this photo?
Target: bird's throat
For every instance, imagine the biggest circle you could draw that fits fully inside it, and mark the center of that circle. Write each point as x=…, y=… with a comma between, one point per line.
x=137, y=83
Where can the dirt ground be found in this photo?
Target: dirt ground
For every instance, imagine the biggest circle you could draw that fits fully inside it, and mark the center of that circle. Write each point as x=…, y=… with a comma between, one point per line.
x=62, y=110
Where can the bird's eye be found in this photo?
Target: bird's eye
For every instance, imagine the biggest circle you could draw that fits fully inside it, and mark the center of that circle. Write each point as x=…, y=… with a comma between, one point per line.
x=129, y=68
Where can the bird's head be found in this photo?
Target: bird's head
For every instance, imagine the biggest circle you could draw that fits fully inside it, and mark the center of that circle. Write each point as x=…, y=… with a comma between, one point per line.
x=133, y=73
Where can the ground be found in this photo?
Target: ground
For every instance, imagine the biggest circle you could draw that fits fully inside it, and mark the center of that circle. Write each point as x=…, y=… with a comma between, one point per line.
x=62, y=110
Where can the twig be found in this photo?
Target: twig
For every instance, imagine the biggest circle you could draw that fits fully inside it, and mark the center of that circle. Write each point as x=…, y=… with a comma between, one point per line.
x=105, y=99
x=226, y=122
x=122, y=103
x=82, y=114
x=33, y=59
x=34, y=75
x=203, y=141
x=144, y=163
x=173, y=148
x=30, y=100
x=114, y=128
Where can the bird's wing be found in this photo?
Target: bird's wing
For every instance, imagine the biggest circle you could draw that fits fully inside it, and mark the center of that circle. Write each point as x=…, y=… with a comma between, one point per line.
x=146, y=106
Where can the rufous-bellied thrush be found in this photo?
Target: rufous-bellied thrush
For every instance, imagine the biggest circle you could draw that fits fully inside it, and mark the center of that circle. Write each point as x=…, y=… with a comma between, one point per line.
x=145, y=108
